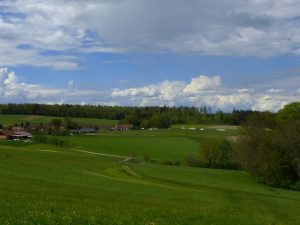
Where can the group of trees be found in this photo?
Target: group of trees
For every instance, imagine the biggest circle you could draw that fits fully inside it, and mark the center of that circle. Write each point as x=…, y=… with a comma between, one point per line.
x=214, y=154
x=55, y=126
x=271, y=147
x=160, y=117
x=52, y=140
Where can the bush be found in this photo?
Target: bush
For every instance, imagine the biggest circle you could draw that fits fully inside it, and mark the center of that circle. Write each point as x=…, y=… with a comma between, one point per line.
x=213, y=154
x=51, y=141
x=171, y=163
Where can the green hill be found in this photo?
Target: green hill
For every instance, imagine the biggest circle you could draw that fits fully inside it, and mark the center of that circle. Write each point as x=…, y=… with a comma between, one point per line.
x=43, y=184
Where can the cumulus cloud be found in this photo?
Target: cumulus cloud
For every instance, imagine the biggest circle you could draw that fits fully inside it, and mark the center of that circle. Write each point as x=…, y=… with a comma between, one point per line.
x=199, y=91
x=208, y=91
x=30, y=29
x=12, y=90
x=202, y=83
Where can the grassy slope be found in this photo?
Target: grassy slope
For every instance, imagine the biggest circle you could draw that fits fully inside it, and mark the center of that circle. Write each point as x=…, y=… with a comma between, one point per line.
x=12, y=119
x=42, y=184
x=66, y=187
x=161, y=144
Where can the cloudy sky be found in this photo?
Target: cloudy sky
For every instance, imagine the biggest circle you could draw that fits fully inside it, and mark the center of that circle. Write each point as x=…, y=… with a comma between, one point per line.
x=225, y=54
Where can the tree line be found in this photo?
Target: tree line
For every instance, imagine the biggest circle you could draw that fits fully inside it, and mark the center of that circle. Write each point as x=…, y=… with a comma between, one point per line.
x=160, y=117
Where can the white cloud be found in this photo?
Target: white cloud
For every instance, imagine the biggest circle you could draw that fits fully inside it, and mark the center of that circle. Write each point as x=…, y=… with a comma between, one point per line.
x=275, y=90
x=30, y=29
x=11, y=90
x=202, y=90
x=205, y=90
x=269, y=102
x=202, y=83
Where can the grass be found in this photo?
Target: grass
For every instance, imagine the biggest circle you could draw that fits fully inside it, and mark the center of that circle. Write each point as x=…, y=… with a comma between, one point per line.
x=7, y=120
x=204, y=126
x=160, y=144
x=43, y=184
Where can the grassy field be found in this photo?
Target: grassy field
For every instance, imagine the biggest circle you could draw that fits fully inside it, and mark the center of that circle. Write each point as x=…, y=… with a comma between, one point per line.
x=204, y=126
x=158, y=144
x=43, y=184
x=13, y=119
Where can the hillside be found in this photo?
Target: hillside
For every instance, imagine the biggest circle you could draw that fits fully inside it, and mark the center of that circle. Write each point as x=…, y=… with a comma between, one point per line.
x=43, y=184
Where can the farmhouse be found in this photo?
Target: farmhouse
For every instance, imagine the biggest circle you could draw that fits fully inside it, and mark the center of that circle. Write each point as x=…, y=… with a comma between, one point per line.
x=23, y=135
x=5, y=134
x=74, y=131
x=20, y=133
x=87, y=131
x=16, y=133
x=17, y=129
x=123, y=127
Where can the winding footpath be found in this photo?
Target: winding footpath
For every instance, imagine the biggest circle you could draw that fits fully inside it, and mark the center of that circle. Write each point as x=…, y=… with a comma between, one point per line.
x=126, y=168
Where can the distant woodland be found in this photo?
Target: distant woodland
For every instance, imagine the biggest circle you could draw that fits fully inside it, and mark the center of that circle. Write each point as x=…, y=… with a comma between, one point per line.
x=160, y=117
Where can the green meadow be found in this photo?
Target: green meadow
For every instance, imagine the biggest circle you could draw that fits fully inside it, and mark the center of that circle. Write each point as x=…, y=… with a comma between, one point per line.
x=171, y=144
x=45, y=184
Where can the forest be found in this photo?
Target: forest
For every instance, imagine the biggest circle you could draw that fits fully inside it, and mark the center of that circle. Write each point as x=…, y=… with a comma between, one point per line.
x=160, y=117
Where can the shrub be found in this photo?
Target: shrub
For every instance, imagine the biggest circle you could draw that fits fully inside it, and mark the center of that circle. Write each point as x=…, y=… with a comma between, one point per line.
x=52, y=141
x=171, y=163
x=213, y=154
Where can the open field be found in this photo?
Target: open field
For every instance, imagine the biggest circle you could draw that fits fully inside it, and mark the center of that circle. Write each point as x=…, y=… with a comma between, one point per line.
x=158, y=144
x=13, y=119
x=43, y=184
x=204, y=126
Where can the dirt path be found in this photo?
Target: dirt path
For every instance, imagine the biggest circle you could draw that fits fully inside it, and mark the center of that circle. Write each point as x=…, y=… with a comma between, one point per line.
x=130, y=171
x=125, y=159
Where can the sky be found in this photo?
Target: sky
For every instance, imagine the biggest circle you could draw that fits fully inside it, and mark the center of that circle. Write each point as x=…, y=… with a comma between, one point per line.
x=222, y=54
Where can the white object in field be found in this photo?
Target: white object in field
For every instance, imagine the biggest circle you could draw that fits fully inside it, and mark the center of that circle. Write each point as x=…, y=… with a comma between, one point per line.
x=192, y=128
x=221, y=130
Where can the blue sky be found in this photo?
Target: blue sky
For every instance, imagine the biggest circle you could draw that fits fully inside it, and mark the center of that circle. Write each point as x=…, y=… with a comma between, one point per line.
x=228, y=54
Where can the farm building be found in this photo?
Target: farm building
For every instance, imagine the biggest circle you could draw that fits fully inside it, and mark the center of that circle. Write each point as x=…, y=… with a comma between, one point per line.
x=123, y=127
x=73, y=132
x=20, y=133
x=15, y=134
x=5, y=134
x=87, y=131
x=24, y=134
x=17, y=129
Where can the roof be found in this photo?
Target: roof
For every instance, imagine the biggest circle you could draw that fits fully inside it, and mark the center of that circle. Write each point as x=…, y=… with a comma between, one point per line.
x=87, y=129
x=17, y=128
x=24, y=133
x=124, y=126
x=6, y=132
